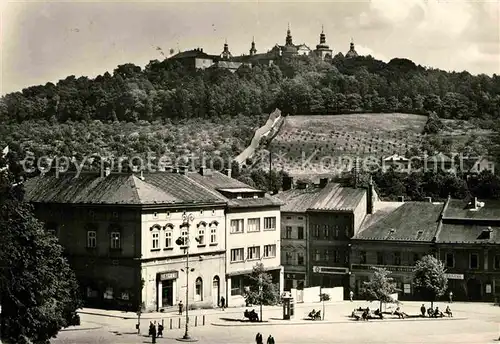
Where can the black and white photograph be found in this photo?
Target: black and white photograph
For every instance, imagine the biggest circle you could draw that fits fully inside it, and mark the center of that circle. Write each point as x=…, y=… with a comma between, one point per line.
x=238, y=172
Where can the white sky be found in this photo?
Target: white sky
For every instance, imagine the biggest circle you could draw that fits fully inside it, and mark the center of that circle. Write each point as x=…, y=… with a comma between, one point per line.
x=44, y=41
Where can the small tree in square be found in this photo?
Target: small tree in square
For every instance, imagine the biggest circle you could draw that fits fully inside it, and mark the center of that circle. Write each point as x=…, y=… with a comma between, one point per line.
x=380, y=287
x=429, y=278
x=261, y=290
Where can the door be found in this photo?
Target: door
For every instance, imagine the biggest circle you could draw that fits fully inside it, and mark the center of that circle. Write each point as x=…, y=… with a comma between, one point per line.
x=474, y=289
x=167, y=293
x=216, y=290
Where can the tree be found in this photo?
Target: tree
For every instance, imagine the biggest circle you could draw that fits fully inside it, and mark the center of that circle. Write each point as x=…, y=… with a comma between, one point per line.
x=380, y=287
x=429, y=278
x=261, y=290
x=38, y=290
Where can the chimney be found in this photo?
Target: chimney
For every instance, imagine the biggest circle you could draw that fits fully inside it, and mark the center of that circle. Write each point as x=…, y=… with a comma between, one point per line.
x=287, y=183
x=369, y=198
x=323, y=182
x=428, y=199
x=183, y=169
x=475, y=203
x=141, y=177
x=401, y=198
x=228, y=172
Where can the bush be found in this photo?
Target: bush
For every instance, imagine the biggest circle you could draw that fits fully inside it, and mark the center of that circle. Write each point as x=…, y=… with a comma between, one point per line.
x=324, y=297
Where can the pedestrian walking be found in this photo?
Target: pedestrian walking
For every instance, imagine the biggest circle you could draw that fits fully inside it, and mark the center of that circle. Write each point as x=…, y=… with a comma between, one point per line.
x=258, y=338
x=270, y=340
x=153, y=332
x=450, y=296
x=160, y=330
x=222, y=302
x=351, y=295
x=181, y=307
x=150, y=332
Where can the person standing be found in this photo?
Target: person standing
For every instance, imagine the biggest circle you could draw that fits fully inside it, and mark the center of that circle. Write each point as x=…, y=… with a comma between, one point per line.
x=270, y=340
x=351, y=295
x=258, y=338
x=450, y=295
x=160, y=330
x=181, y=306
x=422, y=310
x=153, y=332
x=222, y=303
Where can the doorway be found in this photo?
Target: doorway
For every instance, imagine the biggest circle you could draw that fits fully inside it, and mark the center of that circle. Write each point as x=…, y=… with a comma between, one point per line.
x=167, y=293
x=474, y=289
x=216, y=291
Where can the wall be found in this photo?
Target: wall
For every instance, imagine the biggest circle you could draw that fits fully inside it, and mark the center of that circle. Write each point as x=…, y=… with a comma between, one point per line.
x=174, y=217
x=248, y=239
x=200, y=63
x=311, y=294
x=336, y=294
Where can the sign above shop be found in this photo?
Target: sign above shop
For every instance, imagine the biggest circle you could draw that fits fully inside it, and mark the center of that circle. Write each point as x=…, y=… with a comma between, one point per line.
x=454, y=276
x=164, y=276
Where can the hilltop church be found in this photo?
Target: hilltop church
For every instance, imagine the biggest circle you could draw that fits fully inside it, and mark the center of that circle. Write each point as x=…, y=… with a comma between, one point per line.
x=198, y=59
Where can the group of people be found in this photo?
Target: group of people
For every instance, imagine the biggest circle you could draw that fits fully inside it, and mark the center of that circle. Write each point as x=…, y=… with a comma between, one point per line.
x=436, y=313
x=259, y=340
x=154, y=332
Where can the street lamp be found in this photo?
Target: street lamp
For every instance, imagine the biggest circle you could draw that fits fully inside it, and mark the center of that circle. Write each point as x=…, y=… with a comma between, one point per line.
x=184, y=241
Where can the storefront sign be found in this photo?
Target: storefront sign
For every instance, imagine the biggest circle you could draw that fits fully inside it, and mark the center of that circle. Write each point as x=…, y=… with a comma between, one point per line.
x=454, y=276
x=169, y=275
x=330, y=270
x=295, y=276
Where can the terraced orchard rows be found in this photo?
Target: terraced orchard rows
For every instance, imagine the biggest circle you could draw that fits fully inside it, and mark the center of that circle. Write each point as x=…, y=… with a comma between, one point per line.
x=323, y=141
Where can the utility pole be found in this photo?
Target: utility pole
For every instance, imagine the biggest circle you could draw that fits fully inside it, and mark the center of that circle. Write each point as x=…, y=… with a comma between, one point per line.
x=260, y=296
x=187, y=219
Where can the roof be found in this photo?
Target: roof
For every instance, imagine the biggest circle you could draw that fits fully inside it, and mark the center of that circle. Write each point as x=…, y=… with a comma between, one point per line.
x=239, y=190
x=332, y=197
x=381, y=210
x=468, y=233
x=459, y=209
x=412, y=221
x=117, y=188
x=216, y=182
x=195, y=53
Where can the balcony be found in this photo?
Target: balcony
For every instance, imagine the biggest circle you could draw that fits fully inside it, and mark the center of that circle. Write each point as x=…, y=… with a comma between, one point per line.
x=392, y=268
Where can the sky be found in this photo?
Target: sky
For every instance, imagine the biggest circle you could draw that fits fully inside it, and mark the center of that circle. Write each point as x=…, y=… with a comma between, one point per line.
x=45, y=41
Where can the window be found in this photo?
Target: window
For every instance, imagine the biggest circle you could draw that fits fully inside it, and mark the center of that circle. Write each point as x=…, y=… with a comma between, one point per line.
x=168, y=214
x=326, y=232
x=288, y=232
x=348, y=231
x=346, y=257
x=254, y=225
x=269, y=251
x=115, y=240
x=496, y=263
x=316, y=231
x=474, y=261
x=337, y=232
x=213, y=233
x=184, y=235
x=327, y=255
x=155, y=215
x=115, y=215
x=450, y=260
x=362, y=257
x=213, y=212
x=380, y=258
x=397, y=258
x=300, y=259
x=169, y=230
x=288, y=217
x=201, y=212
x=198, y=289
x=237, y=226
x=237, y=255
x=269, y=223
x=300, y=218
x=300, y=233
x=108, y=294
x=336, y=256
x=156, y=240
x=288, y=258
x=91, y=239
x=317, y=255
x=253, y=253
x=91, y=293
x=201, y=233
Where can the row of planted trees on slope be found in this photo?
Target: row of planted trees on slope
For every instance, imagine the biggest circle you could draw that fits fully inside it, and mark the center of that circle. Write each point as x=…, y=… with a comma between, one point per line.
x=300, y=85
x=429, y=281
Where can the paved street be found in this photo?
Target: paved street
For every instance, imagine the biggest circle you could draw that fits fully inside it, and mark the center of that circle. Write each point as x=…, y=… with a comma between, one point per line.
x=481, y=326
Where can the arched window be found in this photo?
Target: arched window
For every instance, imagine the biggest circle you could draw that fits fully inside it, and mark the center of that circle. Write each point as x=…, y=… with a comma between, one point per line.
x=213, y=232
x=198, y=295
x=115, y=236
x=169, y=232
x=91, y=235
x=216, y=291
x=155, y=237
x=201, y=233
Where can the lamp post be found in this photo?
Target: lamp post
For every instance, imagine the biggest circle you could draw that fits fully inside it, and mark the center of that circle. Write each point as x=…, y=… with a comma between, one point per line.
x=260, y=296
x=186, y=222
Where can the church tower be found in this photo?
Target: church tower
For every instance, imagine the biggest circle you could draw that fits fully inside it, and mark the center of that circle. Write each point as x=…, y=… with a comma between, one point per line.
x=352, y=52
x=288, y=39
x=322, y=49
x=226, y=55
x=253, y=51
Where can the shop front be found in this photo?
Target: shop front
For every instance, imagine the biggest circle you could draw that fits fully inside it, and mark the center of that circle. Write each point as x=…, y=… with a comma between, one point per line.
x=166, y=287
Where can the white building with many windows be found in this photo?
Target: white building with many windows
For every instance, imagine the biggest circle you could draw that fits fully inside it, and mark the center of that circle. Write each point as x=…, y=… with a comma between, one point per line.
x=252, y=232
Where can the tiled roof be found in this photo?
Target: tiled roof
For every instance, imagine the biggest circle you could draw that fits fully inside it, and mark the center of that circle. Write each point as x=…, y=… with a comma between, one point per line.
x=468, y=233
x=412, y=221
x=216, y=181
x=460, y=209
x=332, y=197
x=381, y=210
x=117, y=188
x=192, y=54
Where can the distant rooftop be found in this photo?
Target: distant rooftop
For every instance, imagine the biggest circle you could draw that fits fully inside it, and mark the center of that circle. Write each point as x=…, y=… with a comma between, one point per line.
x=487, y=209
